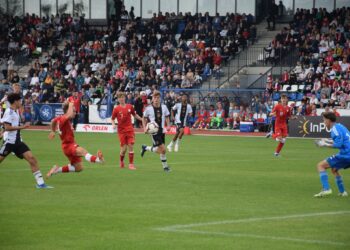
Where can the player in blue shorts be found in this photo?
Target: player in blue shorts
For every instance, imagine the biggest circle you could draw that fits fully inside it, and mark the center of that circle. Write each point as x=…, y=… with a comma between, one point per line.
x=341, y=140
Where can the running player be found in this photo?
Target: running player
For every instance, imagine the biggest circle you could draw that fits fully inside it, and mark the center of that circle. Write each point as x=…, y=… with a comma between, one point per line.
x=158, y=113
x=62, y=124
x=183, y=110
x=282, y=112
x=13, y=141
x=16, y=88
x=341, y=140
x=123, y=113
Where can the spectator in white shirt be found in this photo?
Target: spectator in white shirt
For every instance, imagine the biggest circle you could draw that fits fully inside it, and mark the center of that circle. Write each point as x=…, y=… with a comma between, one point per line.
x=313, y=100
x=95, y=65
x=317, y=86
x=34, y=80
x=344, y=65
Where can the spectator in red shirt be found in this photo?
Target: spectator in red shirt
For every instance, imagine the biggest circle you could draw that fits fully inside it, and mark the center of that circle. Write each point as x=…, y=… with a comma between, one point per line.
x=285, y=77
x=336, y=112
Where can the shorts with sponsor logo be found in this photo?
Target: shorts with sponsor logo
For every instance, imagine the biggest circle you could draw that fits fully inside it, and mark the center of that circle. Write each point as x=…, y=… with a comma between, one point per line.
x=18, y=149
x=126, y=138
x=70, y=151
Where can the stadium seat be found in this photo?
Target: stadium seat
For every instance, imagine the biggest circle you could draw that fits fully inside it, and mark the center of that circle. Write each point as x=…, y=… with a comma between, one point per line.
x=285, y=88
x=276, y=96
x=300, y=96
x=294, y=88
x=292, y=96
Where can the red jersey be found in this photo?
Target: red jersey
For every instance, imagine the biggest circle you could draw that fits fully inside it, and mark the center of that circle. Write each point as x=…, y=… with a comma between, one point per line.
x=282, y=114
x=65, y=130
x=202, y=114
x=123, y=115
x=76, y=101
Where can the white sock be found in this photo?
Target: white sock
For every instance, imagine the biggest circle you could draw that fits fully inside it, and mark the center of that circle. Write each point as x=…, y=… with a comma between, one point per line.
x=88, y=157
x=177, y=141
x=171, y=144
x=38, y=177
x=70, y=168
x=92, y=158
x=152, y=149
x=163, y=160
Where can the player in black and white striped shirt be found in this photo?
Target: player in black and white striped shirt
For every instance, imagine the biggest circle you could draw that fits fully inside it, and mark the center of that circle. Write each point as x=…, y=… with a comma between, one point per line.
x=182, y=111
x=12, y=138
x=158, y=113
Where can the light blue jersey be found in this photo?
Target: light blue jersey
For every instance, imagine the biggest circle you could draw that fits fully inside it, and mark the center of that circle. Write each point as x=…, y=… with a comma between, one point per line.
x=341, y=140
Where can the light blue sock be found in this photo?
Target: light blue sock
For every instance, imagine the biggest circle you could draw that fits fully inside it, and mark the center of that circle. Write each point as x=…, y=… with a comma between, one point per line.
x=340, y=183
x=324, y=180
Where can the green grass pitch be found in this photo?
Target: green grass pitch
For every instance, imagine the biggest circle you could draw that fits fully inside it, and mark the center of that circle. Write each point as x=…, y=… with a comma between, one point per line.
x=222, y=193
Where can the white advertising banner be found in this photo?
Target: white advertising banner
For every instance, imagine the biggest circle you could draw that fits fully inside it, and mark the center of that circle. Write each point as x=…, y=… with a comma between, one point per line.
x=98, y=115
x=342, y=112
x=95, y=128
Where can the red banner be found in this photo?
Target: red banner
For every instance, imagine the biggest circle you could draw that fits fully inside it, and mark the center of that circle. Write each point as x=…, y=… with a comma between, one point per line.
x=172, y=131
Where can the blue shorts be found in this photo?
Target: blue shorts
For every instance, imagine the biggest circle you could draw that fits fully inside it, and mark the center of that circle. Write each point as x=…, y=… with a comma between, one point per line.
x=339, y=161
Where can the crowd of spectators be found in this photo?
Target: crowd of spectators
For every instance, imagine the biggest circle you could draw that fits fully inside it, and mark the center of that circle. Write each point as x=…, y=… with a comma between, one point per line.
x=168, y=51
x=321, y=77
x=175, y=52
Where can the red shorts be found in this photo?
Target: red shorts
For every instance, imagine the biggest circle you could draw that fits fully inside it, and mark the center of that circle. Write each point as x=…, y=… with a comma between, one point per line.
x=70, y=152
x=280, y=132
x=127, y=138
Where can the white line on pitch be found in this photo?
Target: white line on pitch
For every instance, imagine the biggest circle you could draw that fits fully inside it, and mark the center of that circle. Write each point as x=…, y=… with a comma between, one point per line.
x=252, y=220
x=185, y=227
x=257, y=236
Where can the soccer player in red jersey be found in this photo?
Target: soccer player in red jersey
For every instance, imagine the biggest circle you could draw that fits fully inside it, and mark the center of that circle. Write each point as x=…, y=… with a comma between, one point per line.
x=76, y=100
x=70, y=148
x=282, y=112
x=123, y=113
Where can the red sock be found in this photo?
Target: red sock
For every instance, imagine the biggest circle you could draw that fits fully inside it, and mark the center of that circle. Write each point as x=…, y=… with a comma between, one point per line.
x=65, y=169
x=279, y=147
x=131, y=157
x=93, y=158
x=121, y=158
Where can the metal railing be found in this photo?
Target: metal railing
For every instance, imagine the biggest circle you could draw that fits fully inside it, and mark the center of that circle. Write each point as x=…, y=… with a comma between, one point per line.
x=212, y=96
x=284, y=58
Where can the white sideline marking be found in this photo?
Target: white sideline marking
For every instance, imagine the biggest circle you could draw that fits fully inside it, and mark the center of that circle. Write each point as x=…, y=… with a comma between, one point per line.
x=185, y=227
x=256, y=236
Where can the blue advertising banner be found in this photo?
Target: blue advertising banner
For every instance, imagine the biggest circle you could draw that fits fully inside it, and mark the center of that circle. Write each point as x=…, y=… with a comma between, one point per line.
x=46, y=112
